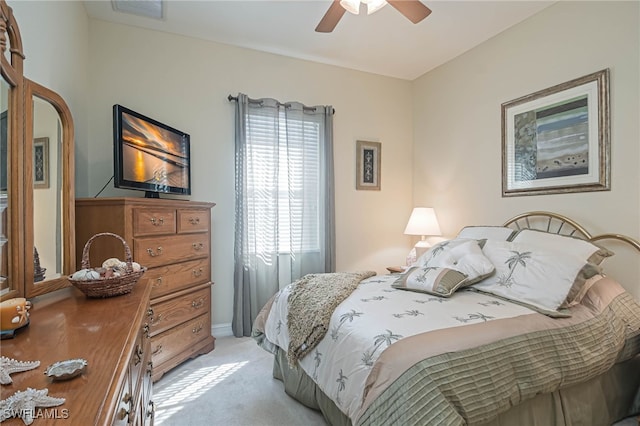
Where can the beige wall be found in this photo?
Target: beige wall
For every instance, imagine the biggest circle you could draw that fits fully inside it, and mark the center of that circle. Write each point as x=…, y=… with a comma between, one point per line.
x=55, y=38
x=457, y=163
x=184, y=82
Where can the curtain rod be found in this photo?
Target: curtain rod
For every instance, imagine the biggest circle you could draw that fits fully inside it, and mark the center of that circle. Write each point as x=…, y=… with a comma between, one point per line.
x=231, y=98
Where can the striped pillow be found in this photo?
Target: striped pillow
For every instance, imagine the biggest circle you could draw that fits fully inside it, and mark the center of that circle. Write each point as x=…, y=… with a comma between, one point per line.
x=432, y=280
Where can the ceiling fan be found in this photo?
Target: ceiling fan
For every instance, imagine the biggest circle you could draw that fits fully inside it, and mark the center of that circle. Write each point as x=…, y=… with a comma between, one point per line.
x=413, y=10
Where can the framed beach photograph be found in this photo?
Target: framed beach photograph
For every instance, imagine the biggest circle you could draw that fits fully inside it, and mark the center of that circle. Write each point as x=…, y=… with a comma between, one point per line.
x=41, y=163
x=368, y=165
x=557, y=140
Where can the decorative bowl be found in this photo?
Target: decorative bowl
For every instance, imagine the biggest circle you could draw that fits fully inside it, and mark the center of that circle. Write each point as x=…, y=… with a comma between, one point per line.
x=67, y=369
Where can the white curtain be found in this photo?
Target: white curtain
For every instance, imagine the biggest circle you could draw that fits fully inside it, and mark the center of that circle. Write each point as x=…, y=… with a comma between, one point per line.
x=285, y=225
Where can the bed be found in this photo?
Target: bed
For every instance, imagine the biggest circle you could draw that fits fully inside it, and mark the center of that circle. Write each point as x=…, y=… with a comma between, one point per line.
x=513, y=324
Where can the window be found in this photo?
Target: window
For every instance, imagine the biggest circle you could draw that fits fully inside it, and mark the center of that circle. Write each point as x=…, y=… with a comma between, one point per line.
x=285, y=220
x=284, y=157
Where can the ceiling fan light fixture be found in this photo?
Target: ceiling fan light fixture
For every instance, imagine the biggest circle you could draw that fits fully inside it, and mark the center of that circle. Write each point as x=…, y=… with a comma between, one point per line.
x=352, y=6
x=374, y=5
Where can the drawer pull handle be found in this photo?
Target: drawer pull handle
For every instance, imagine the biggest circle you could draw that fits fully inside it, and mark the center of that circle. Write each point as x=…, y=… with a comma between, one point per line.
x=152, y=409
x=123, y=414
x=145, y=329
x=150, y=367
x=197, y=304
x=197, y=329
x=158, y=252
x=194, y=220
x=197, y=272
x=137, y=357
x=197, y=246
x=150, y=312
x=156, y=320
x=157, y=283
x=157, y=222
x=157, y=350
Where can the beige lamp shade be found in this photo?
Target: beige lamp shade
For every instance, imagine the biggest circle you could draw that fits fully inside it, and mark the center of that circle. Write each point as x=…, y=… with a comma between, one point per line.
x=423, y=222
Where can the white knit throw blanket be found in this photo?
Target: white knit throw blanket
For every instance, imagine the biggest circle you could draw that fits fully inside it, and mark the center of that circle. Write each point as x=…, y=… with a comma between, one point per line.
x=311, y=303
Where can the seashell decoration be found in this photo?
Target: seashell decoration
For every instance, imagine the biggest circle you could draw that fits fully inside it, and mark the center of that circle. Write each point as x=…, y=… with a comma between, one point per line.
x=9, y=366
x=85, y=275
x=23, y=404
x=112, y=262
x=111, y=268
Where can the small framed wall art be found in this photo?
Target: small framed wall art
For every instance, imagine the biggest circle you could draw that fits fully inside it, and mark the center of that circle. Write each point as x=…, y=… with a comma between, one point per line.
x=557, y=140
x=368, y=165
x=41, y=163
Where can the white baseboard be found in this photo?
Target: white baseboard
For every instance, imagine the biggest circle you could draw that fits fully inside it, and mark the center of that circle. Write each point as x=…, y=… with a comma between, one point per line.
x=221, y=330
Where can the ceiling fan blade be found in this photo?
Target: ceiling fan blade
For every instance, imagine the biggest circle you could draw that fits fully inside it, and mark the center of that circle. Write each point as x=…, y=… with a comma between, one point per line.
x=331, y=18
x=413, y=10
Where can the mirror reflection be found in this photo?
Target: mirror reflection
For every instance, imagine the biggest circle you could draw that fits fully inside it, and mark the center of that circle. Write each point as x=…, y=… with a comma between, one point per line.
x=4, y=200
x=47, y=192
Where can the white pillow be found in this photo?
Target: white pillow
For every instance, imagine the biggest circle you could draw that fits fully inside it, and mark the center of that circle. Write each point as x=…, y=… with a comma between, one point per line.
x=462, y=255
x=581, y=248
x=534, y=276
x=500, y=233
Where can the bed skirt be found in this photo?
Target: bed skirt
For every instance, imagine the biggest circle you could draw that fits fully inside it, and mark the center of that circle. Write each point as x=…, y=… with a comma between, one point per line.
x=602, y=400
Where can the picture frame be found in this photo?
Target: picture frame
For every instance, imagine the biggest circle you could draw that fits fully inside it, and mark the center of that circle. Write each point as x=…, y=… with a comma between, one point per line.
x=41, y=163
x=368, y=162
x=557, y=140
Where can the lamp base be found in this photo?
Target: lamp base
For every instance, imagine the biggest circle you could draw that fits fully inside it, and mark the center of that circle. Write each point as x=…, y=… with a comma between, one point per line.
x=412, y=257
x=421, y=247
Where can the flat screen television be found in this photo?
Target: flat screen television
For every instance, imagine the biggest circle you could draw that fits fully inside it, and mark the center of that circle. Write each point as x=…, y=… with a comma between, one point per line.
x=149, y=156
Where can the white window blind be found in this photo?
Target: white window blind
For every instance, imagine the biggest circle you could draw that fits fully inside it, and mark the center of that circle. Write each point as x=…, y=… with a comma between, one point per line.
x=283, y=157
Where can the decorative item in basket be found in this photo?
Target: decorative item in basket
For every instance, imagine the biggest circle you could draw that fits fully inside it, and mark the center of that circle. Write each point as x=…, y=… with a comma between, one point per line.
x=113, y=278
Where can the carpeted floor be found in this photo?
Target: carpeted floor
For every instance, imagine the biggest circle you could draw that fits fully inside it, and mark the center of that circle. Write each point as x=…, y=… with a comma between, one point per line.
x=233, y=386
x=230, y=386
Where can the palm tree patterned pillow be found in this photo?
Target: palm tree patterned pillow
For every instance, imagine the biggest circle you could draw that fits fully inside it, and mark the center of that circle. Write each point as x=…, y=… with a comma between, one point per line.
x=446, y=267
x=432, y=280
x=461, y=254
x=587, y=250
x=538, y=277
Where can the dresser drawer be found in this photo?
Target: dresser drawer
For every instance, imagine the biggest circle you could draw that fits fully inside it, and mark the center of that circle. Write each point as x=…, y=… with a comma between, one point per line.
x=179, y=309
x=153, y=222
x=191, y=220
x=170, y=343
x=170, y=278
x=158, y=251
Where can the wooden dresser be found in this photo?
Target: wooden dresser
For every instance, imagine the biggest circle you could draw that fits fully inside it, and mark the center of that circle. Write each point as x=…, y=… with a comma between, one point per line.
x=111, y=334
x=172, y=238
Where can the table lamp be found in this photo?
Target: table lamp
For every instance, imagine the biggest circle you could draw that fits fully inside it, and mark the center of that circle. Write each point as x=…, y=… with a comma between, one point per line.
x=423, y=222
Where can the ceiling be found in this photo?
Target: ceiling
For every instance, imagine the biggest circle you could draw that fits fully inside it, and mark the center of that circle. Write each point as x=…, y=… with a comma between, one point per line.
x=383, y=43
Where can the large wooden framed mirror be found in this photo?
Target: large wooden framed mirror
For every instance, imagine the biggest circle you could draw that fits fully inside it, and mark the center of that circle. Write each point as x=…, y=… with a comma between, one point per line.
x=11, y=157
x=37, y=232
x=49, y=154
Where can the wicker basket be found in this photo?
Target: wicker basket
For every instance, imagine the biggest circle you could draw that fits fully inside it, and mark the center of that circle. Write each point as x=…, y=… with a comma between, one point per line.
x=112, y=286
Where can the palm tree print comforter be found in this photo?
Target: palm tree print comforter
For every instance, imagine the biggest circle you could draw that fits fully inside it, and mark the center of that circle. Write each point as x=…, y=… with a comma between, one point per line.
x=399, y=357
